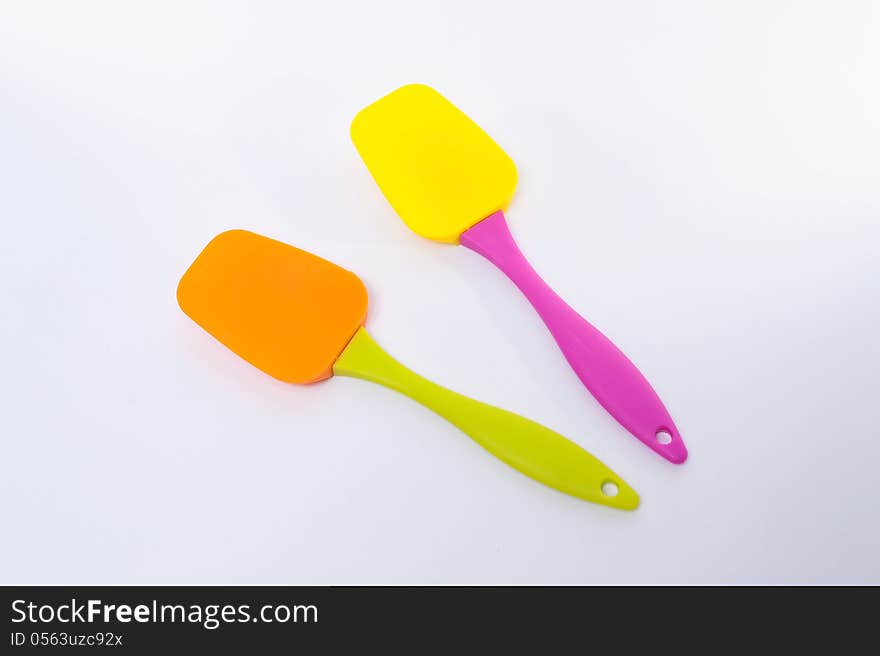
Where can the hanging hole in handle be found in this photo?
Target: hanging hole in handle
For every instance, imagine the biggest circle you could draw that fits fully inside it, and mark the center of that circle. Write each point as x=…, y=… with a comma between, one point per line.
x=610, y=489
x=663, y=436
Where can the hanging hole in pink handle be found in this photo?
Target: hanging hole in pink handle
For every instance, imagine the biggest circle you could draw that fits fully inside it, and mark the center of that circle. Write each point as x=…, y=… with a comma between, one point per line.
x=663, y=437
x=610, y=489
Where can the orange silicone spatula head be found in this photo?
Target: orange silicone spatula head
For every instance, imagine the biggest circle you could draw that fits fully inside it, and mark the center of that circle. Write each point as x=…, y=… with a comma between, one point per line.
x=286, y=311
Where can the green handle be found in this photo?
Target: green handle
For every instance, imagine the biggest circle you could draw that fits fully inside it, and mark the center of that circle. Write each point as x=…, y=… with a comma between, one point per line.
x=534, y=450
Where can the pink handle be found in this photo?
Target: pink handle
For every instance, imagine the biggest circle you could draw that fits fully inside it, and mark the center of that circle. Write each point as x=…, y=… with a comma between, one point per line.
x=615, y=381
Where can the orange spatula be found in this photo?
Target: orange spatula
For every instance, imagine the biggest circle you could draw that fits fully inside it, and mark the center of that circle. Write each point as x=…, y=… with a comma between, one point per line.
x=300, y=319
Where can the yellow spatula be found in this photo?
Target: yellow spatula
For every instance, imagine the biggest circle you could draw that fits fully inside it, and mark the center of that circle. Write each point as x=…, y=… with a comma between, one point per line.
x=449, y=181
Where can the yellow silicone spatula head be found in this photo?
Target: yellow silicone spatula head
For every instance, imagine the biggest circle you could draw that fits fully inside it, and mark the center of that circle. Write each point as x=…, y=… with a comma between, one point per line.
x=286, y=311
x=437, y=168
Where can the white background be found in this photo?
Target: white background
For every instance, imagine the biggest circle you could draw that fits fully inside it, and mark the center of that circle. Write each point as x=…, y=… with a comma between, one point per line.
x=701, y=180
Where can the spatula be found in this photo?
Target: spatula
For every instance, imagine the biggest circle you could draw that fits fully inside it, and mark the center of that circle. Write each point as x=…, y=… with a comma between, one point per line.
x=450, y=182
x=300, y=319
